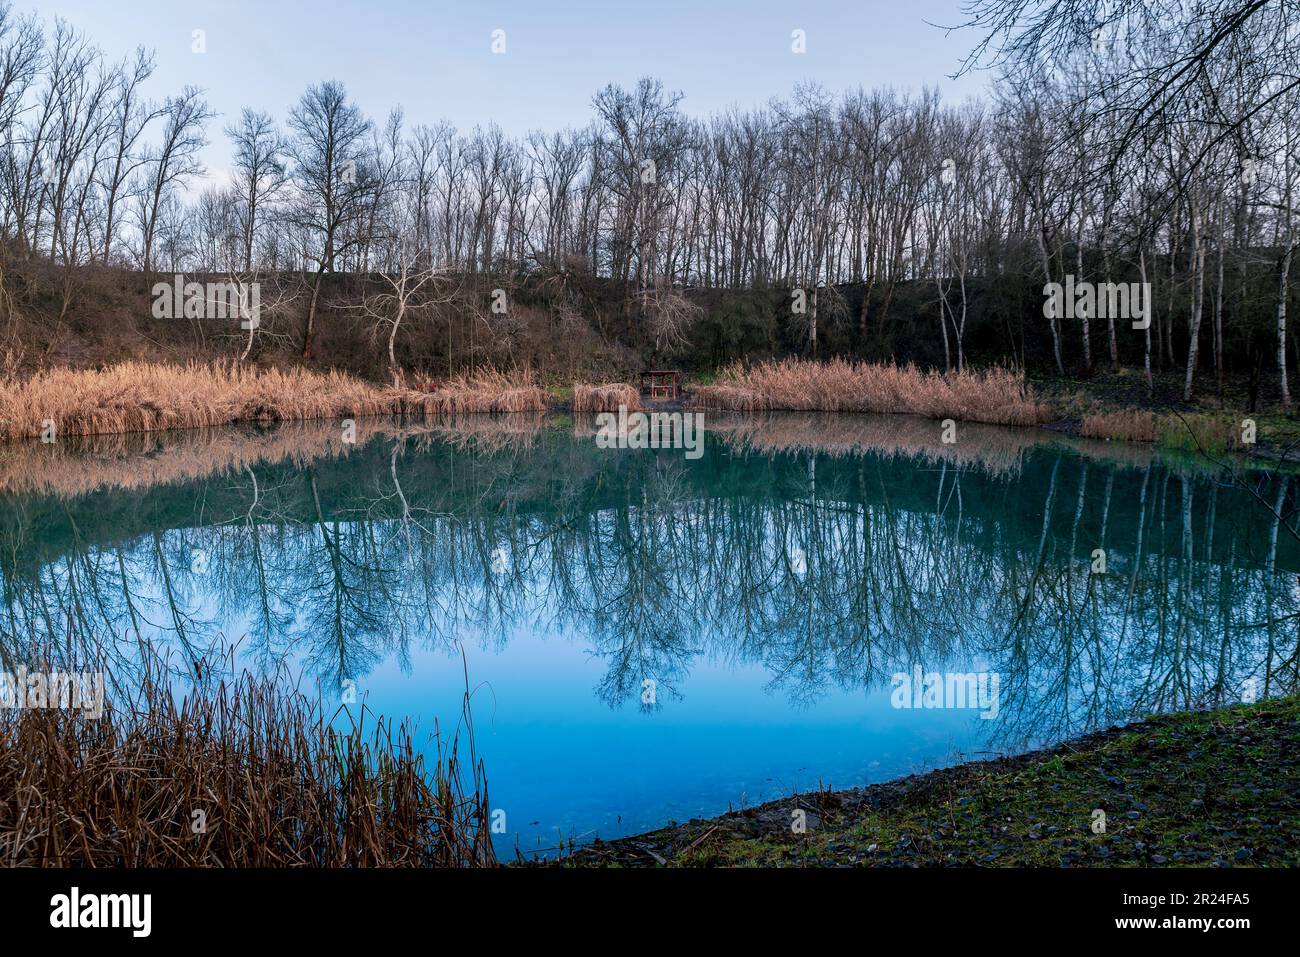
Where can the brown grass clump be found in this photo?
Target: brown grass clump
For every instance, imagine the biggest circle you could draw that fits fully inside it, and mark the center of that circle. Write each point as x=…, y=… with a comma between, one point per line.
x=482, y=392
x=145, y=397
x=278, y=787
x=995, y=396
x=730, y=397
x=606, y=398
x=1133, y=425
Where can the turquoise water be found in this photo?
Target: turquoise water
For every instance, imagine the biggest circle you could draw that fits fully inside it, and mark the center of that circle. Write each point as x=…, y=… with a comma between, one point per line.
x=650, y=637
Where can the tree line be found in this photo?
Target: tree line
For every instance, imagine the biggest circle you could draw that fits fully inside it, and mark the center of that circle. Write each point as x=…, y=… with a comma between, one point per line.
x=1120, y=141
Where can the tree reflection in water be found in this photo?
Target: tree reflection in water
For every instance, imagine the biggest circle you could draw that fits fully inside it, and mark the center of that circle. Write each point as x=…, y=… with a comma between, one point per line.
x=833, y=553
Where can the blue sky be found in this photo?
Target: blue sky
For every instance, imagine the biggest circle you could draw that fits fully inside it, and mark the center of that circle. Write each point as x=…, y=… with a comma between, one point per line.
x=435, y=59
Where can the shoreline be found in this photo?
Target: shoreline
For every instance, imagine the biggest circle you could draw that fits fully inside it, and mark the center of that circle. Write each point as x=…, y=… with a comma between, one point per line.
x=720, y=422
x=1216, y=788
x=136, y=399
x=1067, y=428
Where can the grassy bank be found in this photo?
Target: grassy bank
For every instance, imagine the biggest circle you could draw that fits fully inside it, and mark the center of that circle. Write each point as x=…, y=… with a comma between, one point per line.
x=249, y=774
x=136, y=397
x=1217, y=788
x=147, y=397
x=1117, y=405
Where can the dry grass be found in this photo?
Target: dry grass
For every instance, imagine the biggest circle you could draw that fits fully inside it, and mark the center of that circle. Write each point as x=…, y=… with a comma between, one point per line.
x=279, y=787
x=996, y=396
x=606, y=398
x=1133, y=425
x=145, y=397
x=482, y=392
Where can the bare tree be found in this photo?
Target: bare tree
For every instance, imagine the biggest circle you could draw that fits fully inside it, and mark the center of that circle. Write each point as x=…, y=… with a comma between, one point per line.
x=259, y=171
x=331, y=177
x=175, y=160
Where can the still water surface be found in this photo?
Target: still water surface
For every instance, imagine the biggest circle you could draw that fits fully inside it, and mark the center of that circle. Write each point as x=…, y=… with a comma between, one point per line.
x=652, y=638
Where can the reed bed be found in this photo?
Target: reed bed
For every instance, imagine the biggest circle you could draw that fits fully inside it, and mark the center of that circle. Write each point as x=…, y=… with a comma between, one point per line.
x=147, y=397
x=275, y=785
x=1133, y=425
x=489, y=391
x=995, y=396
x=606, y=398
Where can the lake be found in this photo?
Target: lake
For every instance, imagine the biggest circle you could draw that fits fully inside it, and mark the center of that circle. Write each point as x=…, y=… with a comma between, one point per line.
x=651, y=637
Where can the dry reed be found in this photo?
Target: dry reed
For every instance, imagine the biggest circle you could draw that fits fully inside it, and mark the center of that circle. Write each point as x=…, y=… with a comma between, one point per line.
x=276, y=785
x=606, y=398
x=145, y=397
x=995, y=396
x=481, y=392
x=1132, y=425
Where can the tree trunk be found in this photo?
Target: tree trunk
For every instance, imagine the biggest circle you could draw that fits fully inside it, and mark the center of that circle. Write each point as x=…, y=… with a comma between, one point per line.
x=1218, y=310
x=1146, y=357
x=1078, y=254
x=1198, y=303
x=310, y=330
x=1284, y=276
x=1056, y=332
